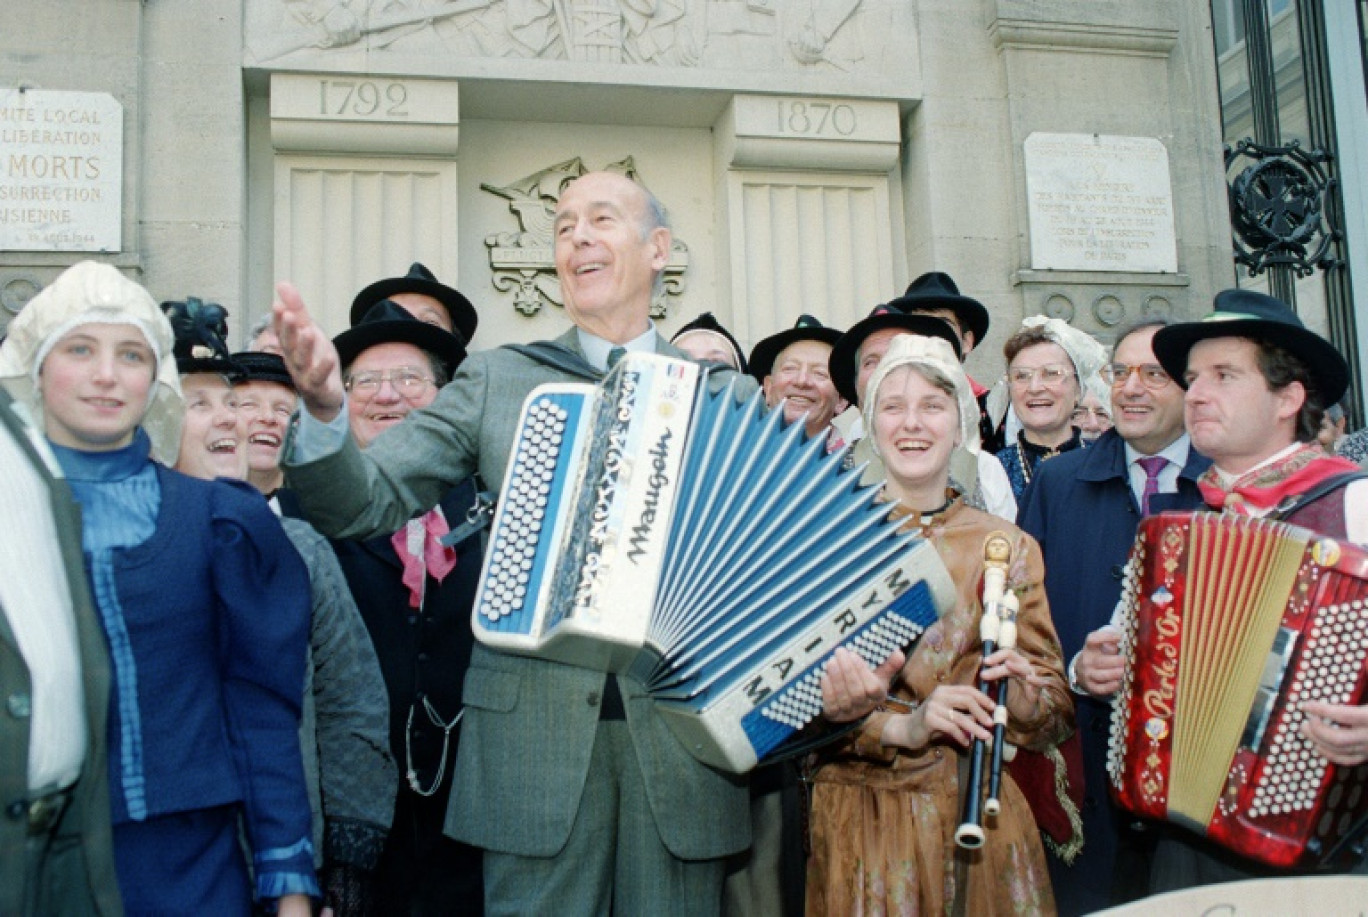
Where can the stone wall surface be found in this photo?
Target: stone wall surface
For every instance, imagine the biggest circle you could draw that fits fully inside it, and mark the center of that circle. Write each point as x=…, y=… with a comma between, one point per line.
x=815, y=154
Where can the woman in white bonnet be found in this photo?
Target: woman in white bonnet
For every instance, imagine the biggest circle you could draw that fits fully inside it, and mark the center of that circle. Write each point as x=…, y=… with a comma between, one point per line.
x=206, y=687
x=1049, y=366
x=886, y=800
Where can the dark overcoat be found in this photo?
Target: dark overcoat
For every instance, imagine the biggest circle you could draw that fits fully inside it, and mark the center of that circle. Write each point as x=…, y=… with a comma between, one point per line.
x=1081, y=509
x=79, y=878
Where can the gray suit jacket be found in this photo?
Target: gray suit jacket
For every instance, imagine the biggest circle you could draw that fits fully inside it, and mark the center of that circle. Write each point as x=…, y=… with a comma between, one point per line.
x=78, y=877
x=529, y=724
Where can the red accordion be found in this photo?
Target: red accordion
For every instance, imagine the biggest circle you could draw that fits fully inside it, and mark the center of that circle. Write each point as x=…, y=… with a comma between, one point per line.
x=1229, y=624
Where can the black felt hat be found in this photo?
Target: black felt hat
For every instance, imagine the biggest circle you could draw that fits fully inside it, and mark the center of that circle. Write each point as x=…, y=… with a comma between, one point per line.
x=707, y=322
x=936, y=290
x=419, y=279
x=388, y=322
x=255, y=366
x=200, y=332
x=845, y=371
x=807, y=328
x=1259, y=317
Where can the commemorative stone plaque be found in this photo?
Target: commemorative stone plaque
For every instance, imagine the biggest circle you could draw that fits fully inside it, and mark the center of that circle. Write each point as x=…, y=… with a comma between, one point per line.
x=1100, y=203
x=61, y=171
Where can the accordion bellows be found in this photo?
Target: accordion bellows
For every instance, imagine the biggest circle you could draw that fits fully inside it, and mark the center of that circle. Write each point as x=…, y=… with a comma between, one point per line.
x=652, y=526
x=1230, y=623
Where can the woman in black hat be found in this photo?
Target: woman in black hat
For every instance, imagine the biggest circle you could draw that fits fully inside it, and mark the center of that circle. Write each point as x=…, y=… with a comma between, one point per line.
x=342, y=732
x=705, y=339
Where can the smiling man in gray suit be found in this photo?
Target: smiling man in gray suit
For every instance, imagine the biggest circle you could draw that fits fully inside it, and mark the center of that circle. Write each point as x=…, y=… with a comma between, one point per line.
x=581, y=797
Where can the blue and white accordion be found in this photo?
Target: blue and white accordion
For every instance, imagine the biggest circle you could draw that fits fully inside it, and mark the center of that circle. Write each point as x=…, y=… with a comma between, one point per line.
x=652, y=527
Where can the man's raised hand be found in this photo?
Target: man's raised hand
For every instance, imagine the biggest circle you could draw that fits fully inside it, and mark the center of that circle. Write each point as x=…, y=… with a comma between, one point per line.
x=309, y=354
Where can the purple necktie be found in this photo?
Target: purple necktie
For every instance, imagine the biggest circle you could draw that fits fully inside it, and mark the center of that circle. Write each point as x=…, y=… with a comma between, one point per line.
x=1152, y=464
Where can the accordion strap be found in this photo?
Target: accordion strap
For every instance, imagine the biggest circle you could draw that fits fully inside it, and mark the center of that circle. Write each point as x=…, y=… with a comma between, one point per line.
x=557, y=356
x=1328, y=486
x=1350, y=849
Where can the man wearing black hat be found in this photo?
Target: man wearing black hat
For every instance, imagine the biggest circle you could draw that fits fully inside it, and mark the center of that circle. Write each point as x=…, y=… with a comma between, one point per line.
x=415, y=594
x=793, y=368
x=425, y=298
x=1258, y=383
x=935, y=293
x=928, y=308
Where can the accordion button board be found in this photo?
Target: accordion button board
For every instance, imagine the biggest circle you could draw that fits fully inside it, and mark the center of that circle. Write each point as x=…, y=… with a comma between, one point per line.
x=1230, y=624
x=659, y=527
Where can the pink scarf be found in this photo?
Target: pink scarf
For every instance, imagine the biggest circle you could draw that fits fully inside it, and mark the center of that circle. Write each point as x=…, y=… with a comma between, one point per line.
x=419, y=547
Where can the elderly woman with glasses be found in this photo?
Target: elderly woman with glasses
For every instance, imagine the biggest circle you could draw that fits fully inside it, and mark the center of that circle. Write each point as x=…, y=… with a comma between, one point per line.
x=1049, y=363
x=1093, y=416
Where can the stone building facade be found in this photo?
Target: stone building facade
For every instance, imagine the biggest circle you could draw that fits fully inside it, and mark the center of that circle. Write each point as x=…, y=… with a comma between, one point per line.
x=1051, y=155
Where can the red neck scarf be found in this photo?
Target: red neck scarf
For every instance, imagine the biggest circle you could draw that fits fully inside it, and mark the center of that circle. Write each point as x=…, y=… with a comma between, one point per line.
x=1269, y=486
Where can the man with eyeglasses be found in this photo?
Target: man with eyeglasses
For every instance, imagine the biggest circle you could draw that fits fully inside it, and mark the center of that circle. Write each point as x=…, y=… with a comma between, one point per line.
x=1096, y=497
x=415, y=594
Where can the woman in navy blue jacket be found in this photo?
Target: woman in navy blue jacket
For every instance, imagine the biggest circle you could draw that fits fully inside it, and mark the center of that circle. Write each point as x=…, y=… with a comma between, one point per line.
x=204, y=604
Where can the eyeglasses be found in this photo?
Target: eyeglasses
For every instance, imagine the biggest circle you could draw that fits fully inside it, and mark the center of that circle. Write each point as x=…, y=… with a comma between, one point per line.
x=1053, y=374
x=407, y=381
x=1152, y=375
x=1101, y=415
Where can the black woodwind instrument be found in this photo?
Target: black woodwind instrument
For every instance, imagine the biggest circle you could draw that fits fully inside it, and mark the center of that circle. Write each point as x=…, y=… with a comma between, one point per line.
x=997, y=553
x=1007, y=634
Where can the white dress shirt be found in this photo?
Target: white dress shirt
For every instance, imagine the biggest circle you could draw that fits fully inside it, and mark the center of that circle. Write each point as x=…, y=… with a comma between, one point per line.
x=1177, y=454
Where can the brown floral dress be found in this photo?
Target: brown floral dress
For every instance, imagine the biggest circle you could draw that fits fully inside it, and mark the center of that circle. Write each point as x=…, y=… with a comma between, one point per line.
x=883, y=819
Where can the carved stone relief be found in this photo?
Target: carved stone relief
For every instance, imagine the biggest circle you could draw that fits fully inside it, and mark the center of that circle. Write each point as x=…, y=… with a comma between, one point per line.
x=17, y=289
x=1109, y=310
x=830, y=35
x=524, y=262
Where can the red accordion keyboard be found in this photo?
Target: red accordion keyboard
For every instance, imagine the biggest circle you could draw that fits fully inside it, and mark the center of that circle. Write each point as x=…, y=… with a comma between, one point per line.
x=1230, y=623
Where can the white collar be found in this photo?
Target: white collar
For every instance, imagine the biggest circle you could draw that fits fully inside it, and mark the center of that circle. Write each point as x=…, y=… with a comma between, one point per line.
x=596, y=348
x=1176, y=451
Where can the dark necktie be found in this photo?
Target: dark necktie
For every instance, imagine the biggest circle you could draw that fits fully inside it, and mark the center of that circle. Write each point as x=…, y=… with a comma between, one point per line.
x=612, y=708
x=1152, y=465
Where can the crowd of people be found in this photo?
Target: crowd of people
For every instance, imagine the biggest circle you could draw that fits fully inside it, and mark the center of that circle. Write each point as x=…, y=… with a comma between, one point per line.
x=238, y=660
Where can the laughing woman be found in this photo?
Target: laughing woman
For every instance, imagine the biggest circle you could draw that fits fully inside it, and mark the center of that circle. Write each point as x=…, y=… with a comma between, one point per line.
x=1049, y=367
x=886, y=800
x=204, y=605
